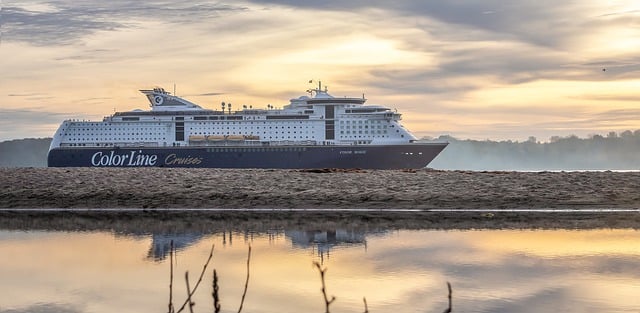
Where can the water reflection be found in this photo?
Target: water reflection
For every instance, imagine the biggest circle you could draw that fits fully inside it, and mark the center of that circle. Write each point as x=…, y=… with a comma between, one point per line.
x=401, y=271
x=161, y=244
x=321, y=242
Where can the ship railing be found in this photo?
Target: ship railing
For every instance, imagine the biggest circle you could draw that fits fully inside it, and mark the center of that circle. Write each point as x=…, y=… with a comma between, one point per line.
x=292, y=142
x=135, y=144
x=109, y=144
x=223, y=143
x=252, y=143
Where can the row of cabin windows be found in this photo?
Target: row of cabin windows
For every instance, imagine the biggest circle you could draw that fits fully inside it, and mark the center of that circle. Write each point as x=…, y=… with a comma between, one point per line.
x=117, y=138
x=110, y=128
x=354, y=137
x=364, y=122
x=111, y=134
x=247, y=123
x=275, y=137
x=365, y=127
x=97, y=144
x=364, y=132
x=257, y=149
x=291, y=123
x=257, y=127
x=256, y=133
x=205, y=131
x=288, y=137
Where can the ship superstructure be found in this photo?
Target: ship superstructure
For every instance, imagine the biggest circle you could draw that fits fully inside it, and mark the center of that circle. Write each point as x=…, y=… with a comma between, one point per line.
x=177, y=132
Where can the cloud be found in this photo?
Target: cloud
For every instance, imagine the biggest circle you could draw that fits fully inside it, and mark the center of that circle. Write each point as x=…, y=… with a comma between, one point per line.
x=21, y=116
x=611, y=97
x=617, y=115
x=33, y=94
x=31, y=122
x=518, y=42
x=68, y=21
x=45, y=308
x=52, y=28
x=211, y=94
x=533, y=21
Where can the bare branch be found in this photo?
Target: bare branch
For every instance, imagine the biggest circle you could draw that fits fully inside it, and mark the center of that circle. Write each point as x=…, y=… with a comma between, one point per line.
x=171, y=308
x=448, y=310
x=327, y=302
x=204, y=268
x=191, y=303
x=216, y=297
x=246, y=284
x=366, y=308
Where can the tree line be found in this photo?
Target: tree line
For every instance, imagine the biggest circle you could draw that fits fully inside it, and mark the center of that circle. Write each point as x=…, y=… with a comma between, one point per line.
x=613, y=151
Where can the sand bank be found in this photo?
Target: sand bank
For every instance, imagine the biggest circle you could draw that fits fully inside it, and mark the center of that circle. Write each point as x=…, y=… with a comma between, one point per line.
x=333, y=198
x=282, y=189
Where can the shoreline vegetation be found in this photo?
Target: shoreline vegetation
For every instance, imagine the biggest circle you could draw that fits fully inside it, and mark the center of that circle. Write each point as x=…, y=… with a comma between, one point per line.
x=332, y=199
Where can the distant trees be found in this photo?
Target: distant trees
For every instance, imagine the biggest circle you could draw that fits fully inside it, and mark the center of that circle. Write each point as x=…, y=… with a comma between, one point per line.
x=613, y=152
x=24, y=152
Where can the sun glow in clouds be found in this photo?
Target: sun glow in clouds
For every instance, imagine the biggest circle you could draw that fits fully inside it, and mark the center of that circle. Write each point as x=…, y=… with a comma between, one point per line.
x=359, y=49
x=430, y=59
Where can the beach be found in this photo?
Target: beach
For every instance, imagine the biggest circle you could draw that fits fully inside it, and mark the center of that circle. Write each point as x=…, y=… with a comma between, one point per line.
x=409, y=198
x=314, y=189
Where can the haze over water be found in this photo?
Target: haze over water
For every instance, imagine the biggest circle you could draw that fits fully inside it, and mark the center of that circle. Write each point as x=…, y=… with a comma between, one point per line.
x=397, y=271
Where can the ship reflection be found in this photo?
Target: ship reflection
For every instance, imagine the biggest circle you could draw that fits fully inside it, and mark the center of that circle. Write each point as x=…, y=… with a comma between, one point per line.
x=320, y=242
x=161, y=244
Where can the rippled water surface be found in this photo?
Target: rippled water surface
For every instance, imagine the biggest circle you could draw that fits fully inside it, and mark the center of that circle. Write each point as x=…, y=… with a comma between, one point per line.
x=396, y=271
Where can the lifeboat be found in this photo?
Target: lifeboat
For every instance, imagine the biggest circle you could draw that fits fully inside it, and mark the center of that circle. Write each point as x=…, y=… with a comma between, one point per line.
x=235, y=137
x=197, y=138
x=215, y=138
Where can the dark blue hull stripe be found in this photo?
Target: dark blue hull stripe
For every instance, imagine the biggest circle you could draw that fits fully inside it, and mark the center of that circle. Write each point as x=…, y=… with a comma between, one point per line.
x=289, y=157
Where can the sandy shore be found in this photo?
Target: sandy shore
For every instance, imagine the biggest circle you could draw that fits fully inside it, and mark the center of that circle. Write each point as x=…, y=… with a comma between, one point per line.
x=284, y=189
x=328, y=199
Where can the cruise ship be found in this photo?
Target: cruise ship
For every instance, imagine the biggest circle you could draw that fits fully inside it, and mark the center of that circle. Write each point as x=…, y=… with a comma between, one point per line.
x=313, y=131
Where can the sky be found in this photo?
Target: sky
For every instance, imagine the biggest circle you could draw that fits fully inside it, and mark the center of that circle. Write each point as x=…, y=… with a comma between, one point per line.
x=489, y=69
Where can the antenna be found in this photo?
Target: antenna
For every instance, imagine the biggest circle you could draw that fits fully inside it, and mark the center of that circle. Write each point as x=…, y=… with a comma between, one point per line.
x=174, y=89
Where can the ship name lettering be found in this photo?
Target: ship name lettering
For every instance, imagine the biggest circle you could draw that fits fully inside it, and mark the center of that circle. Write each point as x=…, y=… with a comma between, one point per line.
x=353, y=152
x=135, y=158
x=173, y=159
x=142, y=159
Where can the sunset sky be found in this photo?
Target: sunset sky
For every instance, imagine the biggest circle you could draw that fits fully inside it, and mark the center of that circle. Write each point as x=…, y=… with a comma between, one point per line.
x=490, y=69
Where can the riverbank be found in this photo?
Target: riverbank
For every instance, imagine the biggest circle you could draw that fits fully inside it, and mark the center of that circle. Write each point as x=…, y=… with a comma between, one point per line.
x=263, y=199
x=314, y=189
x=204, y=221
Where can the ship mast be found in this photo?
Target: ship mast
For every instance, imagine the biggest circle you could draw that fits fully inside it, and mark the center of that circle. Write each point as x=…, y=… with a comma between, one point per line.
x=317, y=90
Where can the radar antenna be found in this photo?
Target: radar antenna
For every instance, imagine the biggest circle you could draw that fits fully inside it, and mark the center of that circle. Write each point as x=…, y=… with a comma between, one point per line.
x=317, y=90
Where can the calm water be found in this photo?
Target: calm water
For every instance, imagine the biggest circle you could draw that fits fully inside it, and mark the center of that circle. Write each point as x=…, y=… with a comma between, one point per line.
x=397, y=271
